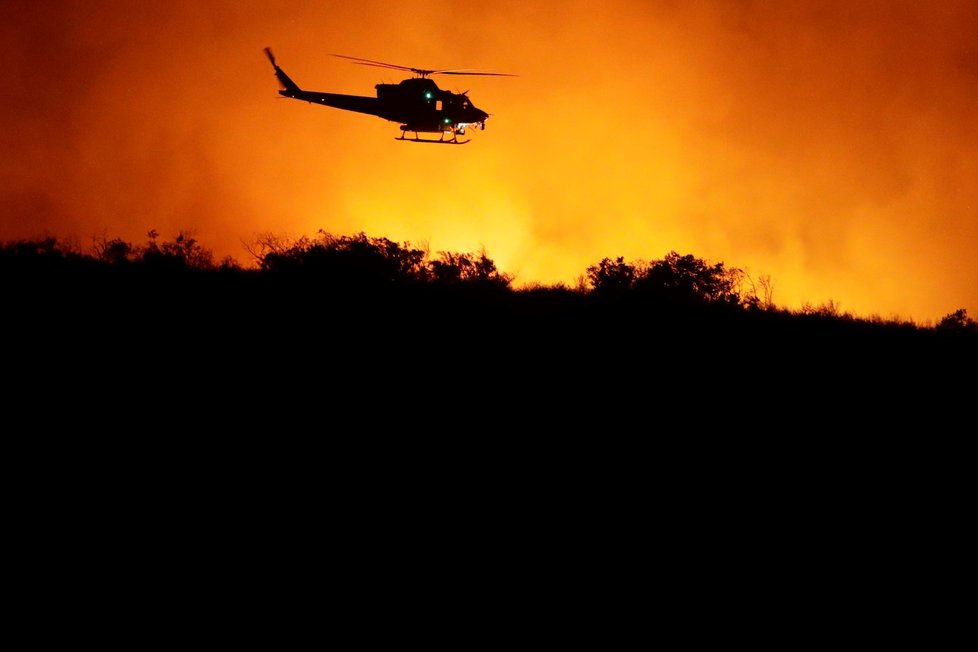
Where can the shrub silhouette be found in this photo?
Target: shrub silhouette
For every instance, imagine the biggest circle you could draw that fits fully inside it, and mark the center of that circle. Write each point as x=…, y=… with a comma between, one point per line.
x=114, y=252
x=357, y=258
x=958, y=322
x=43, y=259
x=674, y=279
x=611, y=277
x=453, y=269
x=32, y=252
x=375, y=262
x=183, y=253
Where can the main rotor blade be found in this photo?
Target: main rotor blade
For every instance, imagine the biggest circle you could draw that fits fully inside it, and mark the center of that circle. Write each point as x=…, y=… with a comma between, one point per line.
x=423, y=73
x=271, y=57
x=483, y=74
x=379, y=64
x=419, y=71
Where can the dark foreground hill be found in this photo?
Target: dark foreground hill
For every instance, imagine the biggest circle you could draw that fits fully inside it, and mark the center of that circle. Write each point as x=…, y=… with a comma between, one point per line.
x=367, y=316
x=169, y=419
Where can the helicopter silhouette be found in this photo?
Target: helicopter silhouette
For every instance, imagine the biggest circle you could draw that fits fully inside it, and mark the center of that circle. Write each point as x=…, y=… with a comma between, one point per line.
x=417, y=103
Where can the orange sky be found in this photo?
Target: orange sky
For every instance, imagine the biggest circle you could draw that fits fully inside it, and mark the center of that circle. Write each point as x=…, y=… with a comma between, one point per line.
x=830, y=144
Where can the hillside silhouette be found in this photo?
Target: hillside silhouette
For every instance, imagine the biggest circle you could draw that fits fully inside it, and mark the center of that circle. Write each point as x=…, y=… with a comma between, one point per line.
x=344, y=381
x=364, y=269
x=392, y=315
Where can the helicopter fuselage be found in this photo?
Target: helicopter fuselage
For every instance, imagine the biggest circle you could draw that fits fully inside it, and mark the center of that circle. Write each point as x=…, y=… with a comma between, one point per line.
x=418, y=104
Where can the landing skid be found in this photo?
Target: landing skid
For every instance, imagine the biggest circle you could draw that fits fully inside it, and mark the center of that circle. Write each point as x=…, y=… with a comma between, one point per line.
x=441, y=141
x=433, y=142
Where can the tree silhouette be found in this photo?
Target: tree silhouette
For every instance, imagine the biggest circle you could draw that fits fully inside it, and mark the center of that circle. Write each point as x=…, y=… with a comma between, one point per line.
x=687, y=279
x=958, y=322
x=611, y=277
x=674, y=279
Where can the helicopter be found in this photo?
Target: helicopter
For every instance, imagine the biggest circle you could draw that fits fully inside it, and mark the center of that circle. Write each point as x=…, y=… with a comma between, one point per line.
x=417, y=103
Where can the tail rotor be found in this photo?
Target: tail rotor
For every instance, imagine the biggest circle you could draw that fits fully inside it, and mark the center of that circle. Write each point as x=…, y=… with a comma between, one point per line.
x=289, y=86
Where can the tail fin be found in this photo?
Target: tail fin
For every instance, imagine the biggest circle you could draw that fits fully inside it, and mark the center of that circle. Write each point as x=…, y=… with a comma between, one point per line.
x=283, y=79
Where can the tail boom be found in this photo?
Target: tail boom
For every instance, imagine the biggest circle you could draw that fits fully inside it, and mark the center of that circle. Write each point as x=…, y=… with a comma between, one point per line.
x=356, y=103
